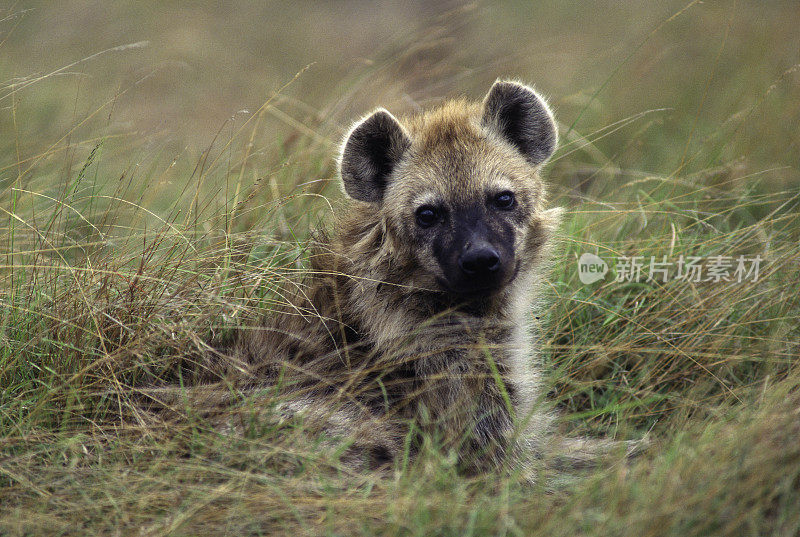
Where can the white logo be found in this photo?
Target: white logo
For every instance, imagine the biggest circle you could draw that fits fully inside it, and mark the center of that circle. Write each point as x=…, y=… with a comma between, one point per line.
x=591, y=268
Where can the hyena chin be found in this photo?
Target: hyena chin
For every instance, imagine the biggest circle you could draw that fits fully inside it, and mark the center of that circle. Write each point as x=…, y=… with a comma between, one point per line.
x=414, y=325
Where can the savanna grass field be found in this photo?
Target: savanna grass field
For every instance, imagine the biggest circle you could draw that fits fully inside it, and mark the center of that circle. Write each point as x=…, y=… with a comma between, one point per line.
x=163, y=166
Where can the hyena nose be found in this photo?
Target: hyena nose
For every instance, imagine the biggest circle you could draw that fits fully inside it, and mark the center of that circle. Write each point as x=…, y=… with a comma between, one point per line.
x=479, y=261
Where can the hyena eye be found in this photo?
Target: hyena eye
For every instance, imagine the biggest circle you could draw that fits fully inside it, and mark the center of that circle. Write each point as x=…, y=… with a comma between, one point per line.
x=504, y=200
x=427, y=215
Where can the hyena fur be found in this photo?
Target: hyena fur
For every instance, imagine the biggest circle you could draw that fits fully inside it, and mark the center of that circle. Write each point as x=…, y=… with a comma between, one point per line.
x=415, y=319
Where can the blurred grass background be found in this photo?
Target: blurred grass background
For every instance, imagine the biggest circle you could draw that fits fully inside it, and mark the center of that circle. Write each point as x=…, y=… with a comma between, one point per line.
x=162, y=163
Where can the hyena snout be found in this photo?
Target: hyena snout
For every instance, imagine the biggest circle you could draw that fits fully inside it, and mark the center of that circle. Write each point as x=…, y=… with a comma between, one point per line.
x=479, y=263
x=480, y=260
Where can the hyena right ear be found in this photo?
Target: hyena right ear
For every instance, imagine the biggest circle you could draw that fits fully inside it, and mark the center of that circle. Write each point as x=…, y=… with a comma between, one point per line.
x=522, y=118
x=370, y=152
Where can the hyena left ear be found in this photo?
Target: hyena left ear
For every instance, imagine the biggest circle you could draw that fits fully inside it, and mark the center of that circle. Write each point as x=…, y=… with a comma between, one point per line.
x=519, y=115
x=370, y=153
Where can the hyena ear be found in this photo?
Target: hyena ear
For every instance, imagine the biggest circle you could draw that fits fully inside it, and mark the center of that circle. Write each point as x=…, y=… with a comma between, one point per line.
x=521, y=116
x=370, y=153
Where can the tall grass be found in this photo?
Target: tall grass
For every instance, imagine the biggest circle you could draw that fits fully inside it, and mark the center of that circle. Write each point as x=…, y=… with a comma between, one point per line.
x=125, y=257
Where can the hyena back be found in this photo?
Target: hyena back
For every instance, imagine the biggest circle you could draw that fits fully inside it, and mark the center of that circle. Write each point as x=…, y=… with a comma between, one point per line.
x=417, y=312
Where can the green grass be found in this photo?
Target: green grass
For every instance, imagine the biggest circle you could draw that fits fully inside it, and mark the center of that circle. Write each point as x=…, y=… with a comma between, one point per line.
x=127, y=247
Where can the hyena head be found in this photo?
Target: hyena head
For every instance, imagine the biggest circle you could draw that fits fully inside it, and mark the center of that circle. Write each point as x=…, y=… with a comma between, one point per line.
x=457, y=189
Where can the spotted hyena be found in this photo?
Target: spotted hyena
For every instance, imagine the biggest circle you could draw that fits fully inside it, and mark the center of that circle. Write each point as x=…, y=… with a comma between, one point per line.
x=415, y=321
